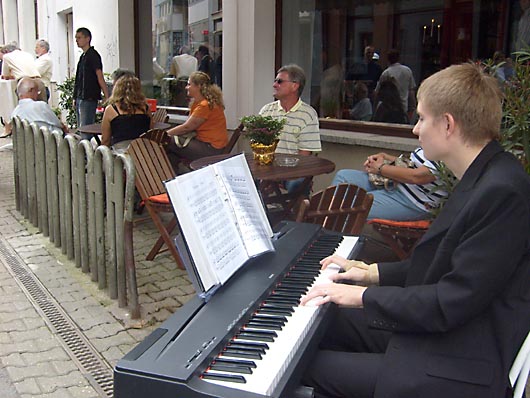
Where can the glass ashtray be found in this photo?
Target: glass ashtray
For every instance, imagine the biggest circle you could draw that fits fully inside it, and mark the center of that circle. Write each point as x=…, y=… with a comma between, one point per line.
x=286, y=161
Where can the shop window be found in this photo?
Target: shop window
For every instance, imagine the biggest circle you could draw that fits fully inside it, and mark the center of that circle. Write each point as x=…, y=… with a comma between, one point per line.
x=341, y=44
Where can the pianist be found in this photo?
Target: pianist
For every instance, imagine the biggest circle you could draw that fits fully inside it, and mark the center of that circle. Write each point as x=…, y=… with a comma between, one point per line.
x=448, y=321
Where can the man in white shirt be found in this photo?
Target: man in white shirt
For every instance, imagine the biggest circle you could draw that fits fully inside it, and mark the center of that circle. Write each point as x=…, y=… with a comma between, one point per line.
x=184, y=64
x=32, y=110
x=44, y=63
x=405, y=81
x=16, y=63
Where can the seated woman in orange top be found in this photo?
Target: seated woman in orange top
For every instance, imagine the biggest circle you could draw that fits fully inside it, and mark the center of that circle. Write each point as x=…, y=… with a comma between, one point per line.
x=207, y=119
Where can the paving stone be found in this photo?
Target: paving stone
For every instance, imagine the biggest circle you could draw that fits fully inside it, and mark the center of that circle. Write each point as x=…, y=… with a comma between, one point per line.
x=50, y=383
x=38, y=370
x=120, y=339
x=83, y=392
x=28, y=387
x=53, y=354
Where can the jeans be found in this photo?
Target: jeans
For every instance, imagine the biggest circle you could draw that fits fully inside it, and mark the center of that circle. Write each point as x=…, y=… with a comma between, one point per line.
x=390, y=205
x=86, y=114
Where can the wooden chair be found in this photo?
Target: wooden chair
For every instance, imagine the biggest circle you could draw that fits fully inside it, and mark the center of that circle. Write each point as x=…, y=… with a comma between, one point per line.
x=157, y=135
x=160, y=116
x=233, y=139
x=401, y=236
x=152, y=168
x=342, y=208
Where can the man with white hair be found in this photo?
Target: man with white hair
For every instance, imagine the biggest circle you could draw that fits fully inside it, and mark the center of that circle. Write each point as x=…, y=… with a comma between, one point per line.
x=17, y=64
x=184, y=64
x=44, y=63
x=32, y=110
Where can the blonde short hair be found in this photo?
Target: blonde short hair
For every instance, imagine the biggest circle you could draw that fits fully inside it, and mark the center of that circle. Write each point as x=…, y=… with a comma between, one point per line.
x=470, y=95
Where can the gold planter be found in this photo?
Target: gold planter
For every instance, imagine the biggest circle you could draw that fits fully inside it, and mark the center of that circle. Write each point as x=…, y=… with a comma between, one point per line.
x=263, y=154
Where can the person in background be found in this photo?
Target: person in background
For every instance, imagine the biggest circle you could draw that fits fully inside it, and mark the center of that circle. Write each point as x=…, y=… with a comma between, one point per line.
x=205, y=61
x=89, y=81
x=403, y=79
x=207, y=119
x=414, y=194
x=44, y=64
x=373, y=69
x=388, y=108
x=31, y=109
x=184, y=64
x=300, y=134
x=17, y=64
x=120, y=72
x=449, y=320
x=127, y=116
x=362, y=106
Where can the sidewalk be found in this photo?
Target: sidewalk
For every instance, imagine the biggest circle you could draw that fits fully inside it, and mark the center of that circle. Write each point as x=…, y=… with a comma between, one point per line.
x=59, y=335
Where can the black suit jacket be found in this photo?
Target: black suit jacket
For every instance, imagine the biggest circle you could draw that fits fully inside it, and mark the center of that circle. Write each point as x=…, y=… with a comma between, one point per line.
x=459, y=307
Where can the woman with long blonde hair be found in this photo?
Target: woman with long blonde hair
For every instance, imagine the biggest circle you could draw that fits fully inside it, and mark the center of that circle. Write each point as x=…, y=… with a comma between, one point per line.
x=207, y=120
x=127, y=116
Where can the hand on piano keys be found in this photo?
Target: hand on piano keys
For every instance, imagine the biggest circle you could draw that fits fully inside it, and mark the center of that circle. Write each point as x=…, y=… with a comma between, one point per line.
x=338, y=293
x=346, y=295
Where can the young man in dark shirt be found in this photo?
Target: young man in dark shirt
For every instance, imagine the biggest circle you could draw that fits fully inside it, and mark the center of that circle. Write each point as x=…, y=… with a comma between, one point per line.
x=89, y=81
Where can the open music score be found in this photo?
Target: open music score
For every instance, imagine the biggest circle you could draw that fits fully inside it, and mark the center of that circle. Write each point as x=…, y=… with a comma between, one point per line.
x=221, y=218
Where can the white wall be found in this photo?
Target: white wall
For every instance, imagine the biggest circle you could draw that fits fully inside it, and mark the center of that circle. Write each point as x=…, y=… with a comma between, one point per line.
x=248, y=56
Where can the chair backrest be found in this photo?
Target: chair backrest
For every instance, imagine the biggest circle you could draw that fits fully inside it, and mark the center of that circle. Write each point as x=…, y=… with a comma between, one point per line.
x=152, y=167
x=160, y=116
x=157, y=135
x=342, y=208
x=520, y=368
x=233, y=139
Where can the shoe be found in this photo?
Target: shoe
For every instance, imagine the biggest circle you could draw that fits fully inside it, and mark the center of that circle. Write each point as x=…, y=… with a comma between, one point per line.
x=6, y=135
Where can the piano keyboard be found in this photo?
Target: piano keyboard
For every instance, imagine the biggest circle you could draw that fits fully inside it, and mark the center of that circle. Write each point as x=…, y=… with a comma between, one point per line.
x=257, y=356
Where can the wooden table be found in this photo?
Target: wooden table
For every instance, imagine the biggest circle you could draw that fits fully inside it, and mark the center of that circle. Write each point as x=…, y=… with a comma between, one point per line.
x=269, y=179
x=95, y=129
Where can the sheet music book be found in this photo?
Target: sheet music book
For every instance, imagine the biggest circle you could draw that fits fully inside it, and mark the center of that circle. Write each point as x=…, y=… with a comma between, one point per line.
x=221, y=219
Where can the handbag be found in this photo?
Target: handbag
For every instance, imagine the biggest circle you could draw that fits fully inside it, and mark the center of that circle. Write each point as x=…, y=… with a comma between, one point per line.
x=183, y=140
x=389, y=184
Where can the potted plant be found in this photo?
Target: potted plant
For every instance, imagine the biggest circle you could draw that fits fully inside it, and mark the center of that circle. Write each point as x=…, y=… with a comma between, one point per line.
x=515, y=129
x=263, y=133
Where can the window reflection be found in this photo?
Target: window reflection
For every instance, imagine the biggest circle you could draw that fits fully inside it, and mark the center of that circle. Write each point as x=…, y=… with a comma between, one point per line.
x=186, y=36
x=341, y=44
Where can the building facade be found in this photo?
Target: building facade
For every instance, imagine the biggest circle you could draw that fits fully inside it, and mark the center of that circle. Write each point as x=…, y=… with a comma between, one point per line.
x=249, y=39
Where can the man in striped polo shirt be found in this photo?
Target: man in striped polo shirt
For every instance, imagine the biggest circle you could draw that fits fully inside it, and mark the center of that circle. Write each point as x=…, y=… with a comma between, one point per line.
x=300, y=134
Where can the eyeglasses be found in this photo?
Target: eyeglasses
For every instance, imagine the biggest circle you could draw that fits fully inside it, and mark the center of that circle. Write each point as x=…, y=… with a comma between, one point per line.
x=280, y=81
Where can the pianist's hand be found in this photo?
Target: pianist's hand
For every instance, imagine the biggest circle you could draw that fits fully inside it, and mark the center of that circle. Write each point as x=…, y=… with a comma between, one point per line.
x=338, y=293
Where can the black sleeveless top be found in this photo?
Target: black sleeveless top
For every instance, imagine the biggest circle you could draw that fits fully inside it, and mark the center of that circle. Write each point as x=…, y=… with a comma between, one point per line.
x=128, y=127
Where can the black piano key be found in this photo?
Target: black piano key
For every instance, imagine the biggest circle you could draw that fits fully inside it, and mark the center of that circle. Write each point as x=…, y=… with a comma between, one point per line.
x=245, y=347
x=300, y=289
x=283, y=300
x=231, y=368
x=286, y=294
x=239, y=362
x=264, y=325
x=274, y=311
x=241, y=353
x=277, y=306
x=223, y=377
x=281, y=320
x=256, y=344
x=257, y=335
x=272, y=303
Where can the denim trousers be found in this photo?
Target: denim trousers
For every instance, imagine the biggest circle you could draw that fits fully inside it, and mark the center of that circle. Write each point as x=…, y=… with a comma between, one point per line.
x=86, y=114
x=390, y=205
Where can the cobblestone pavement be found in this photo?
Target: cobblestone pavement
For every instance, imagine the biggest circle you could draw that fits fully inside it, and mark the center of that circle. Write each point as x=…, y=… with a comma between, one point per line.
x=34, y=360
